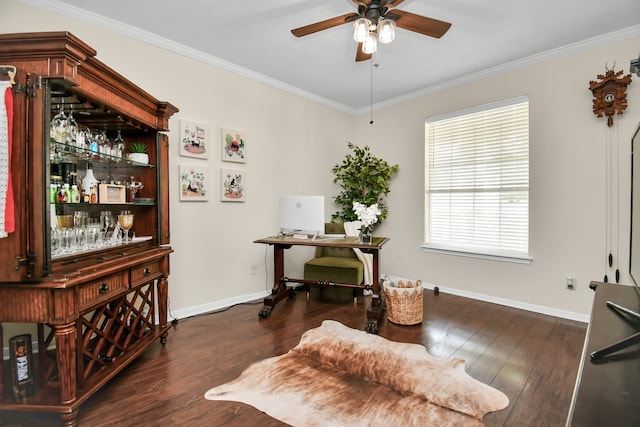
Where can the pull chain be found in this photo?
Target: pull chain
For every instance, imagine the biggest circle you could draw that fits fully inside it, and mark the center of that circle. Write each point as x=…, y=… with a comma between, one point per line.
x=371, y=92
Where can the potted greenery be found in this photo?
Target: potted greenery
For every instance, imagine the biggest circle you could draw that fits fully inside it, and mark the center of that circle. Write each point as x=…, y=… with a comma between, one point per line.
x=138, y=153
x=364, y=179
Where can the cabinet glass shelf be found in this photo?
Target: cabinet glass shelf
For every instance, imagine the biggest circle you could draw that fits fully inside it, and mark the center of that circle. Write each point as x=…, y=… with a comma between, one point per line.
x=72, y=152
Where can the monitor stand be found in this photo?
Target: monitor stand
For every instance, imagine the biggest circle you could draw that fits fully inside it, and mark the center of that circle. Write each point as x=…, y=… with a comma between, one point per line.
x=622, y=344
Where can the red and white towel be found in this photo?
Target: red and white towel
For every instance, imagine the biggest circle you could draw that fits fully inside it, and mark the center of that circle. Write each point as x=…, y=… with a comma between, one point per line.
x=7, y=219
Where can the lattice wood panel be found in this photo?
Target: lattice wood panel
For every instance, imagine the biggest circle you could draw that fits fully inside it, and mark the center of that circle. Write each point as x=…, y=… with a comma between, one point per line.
x=106, y=333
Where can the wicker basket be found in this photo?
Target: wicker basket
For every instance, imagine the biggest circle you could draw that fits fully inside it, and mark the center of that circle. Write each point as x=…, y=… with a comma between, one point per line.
x=404, y=303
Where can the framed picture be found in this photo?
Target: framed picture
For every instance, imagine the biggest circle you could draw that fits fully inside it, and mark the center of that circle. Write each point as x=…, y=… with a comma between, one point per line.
x=194, y=183
x=232, y=185
x=194, y=140
x=234, y=146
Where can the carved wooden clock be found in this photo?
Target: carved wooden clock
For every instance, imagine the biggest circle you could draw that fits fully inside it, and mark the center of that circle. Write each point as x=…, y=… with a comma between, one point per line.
x=610, y=94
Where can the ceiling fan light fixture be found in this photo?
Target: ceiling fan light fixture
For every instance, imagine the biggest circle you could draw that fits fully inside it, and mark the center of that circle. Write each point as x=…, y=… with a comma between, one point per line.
x=361, y=29
x=370, y=45
x=386, y=30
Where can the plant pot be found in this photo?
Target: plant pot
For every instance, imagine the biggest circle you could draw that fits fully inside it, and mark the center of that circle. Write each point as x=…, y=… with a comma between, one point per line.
x=365, y=238
x=139, y=158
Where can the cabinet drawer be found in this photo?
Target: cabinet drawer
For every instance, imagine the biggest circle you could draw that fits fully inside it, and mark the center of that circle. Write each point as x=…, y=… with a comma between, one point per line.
x=145, y=272
x=102, y=289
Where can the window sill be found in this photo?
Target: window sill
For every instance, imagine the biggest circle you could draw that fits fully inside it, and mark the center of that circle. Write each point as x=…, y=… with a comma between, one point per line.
x=504, y=257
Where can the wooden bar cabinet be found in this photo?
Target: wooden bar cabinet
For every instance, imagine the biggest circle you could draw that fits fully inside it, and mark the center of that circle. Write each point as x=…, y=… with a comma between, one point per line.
x=97, y=305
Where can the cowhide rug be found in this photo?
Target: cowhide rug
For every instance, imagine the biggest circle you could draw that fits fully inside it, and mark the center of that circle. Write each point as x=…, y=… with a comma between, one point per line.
x=338, y=376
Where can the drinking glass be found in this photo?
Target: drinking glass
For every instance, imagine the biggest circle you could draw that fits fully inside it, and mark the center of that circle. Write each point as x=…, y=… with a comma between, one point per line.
x=58, y=127
x=118, y=146
x=126, y=222
x=55, y=242
x=94, y=236
x=68, y=241
x=71, y=132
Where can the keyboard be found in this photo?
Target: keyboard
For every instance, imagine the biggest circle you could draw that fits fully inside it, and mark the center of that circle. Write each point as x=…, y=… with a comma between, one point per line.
x=331, y=236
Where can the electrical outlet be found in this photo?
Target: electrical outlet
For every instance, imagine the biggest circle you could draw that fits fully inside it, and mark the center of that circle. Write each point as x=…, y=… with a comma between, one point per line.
x=253, y=269
x=571, y=283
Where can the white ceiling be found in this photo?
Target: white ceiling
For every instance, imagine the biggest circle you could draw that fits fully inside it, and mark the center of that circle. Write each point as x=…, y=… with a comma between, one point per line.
x=252, y=37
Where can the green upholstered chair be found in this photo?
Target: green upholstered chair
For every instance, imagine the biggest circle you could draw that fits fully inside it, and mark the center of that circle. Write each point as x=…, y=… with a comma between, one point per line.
x=339, y=265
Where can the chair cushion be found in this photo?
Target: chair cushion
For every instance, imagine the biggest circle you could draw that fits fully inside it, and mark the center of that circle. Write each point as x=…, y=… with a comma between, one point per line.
x=334, y=269
x=339, y=265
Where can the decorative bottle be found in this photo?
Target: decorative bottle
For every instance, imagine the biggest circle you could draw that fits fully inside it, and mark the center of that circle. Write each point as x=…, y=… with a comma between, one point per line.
x=75, y=194
x=89, y=182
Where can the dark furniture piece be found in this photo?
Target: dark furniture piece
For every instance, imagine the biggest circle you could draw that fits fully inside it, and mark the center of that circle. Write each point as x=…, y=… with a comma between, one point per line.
x=96, y=308
x=281, y=291
x=334, y=264
x=608, y=390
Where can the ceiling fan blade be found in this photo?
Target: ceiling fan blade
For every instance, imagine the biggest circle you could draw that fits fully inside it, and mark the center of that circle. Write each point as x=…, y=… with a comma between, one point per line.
x=360, y=55
x=421, y=24
x=322, y=25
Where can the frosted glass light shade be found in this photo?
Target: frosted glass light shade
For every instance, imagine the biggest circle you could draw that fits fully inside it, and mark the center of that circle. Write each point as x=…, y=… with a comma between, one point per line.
x=386, y=31
x=361, y=29
x=370, y=45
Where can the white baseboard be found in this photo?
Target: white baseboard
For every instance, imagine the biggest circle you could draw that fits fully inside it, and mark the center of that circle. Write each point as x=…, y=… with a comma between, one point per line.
x=215, y=305
x=564, y=314
x=222, y=304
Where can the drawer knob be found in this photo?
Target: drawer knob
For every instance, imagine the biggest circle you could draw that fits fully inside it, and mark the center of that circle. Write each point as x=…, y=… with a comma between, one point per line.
x=104, y=288
x=147, y=271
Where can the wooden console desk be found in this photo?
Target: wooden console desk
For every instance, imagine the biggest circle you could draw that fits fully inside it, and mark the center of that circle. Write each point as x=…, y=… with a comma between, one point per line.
x=281, y=291
x=607, y=392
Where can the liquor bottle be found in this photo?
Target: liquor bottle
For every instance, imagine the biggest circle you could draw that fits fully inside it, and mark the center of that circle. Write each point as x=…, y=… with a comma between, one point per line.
x=89, y=182
x=75, y=194
x=21, y=356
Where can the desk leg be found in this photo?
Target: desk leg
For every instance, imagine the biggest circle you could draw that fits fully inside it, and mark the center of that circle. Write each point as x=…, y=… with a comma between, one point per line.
x=280, y=290
x=376, y=310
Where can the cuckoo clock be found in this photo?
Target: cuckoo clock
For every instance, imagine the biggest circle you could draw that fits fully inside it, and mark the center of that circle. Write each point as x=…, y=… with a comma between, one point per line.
x=610, y=94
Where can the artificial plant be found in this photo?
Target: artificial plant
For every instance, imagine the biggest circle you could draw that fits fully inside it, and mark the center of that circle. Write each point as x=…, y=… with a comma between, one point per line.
x=363, y=178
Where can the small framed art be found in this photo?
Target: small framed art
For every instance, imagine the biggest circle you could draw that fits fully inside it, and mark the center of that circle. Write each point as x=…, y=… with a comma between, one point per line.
x=232, y=185
x=194, y=183
x=234, y=146
x=194, y=140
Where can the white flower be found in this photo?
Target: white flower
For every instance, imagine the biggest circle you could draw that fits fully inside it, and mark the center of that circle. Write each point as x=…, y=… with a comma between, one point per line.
x=367, y=215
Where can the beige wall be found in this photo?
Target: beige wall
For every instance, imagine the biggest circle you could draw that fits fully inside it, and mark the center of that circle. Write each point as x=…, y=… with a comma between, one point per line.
x=567, y=182
x=293, y=143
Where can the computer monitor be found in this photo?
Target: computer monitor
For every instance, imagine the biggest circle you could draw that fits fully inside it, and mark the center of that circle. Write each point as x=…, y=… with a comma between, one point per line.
x=302, y=214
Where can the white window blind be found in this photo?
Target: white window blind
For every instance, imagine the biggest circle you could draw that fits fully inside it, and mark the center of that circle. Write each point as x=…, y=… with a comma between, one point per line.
x=477, y=180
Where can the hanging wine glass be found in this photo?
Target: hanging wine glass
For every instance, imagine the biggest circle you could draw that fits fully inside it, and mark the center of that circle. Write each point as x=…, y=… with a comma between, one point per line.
x=83, y=141
x=118, y=147
x=58, y=128
x=71, y=130
x=100, y=138
x=107, y=146
x=57, y=135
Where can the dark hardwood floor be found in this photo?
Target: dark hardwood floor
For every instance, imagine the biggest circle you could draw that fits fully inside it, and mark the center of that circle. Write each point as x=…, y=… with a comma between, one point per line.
x=532, y=358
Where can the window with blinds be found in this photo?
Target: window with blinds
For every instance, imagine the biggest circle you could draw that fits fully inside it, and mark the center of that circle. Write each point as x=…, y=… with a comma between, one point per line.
x=477, y=181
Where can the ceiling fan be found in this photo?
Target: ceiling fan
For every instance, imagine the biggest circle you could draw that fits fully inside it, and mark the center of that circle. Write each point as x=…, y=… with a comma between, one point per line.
x=376, y=21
